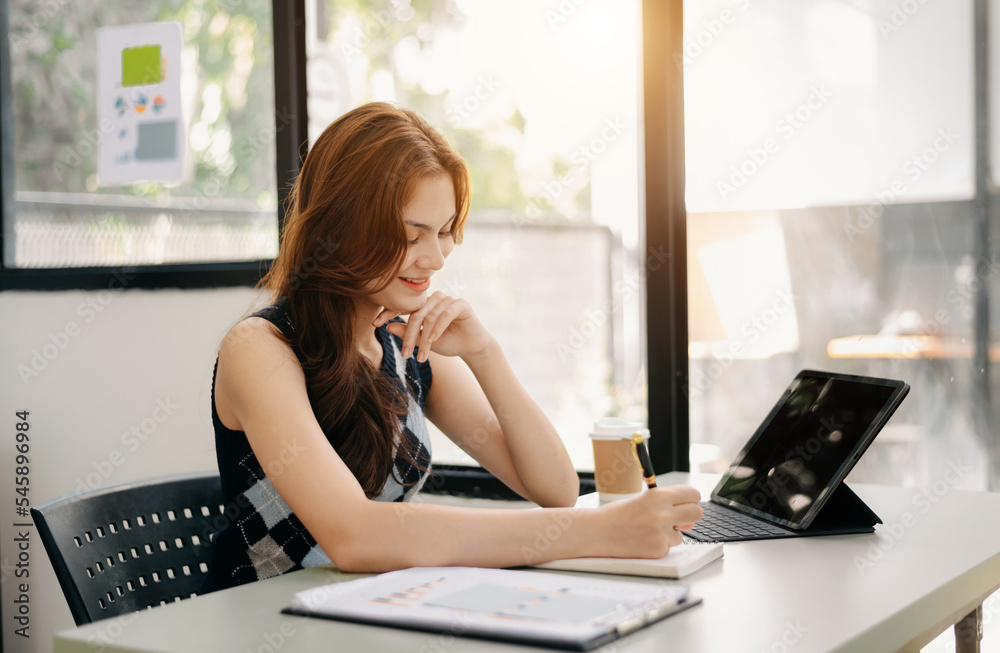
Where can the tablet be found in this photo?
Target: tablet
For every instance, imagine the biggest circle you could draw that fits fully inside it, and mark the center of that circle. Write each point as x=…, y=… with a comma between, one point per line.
x=807, y=445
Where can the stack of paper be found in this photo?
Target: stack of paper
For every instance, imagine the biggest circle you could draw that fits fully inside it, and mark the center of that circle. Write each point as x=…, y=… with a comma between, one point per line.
x=679, y=562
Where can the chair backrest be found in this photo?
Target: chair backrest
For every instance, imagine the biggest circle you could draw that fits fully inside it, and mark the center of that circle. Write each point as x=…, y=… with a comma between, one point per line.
x=129, y=546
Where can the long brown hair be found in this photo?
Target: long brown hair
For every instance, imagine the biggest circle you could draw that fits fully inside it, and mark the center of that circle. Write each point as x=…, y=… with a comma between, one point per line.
x=343, y=239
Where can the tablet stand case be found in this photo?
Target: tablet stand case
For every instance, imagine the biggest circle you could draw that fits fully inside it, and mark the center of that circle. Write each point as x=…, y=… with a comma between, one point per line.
x=844, y=512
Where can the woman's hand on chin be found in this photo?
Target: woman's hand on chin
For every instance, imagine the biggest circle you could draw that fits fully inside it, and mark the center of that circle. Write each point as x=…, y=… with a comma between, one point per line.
x=445, y=325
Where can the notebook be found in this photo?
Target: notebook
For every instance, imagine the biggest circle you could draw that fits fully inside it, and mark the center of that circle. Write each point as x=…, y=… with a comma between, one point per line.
x=678, y=563
x=527, y=607
x=788, y=479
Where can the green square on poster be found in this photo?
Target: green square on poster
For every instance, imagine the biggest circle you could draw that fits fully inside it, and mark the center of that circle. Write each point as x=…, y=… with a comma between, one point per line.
x=141, y=65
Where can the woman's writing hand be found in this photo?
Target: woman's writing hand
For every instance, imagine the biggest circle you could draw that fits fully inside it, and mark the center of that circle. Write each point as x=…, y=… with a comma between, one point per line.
x=445, y=325
x=648, y=525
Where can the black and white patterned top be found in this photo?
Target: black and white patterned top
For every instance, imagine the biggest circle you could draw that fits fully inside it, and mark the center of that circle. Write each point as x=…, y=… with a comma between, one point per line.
x=262, y=537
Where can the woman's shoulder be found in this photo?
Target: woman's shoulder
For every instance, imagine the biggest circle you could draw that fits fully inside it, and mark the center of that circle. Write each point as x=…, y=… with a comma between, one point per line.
x=262, y=326
x=253, y=359
x=280, y=316
x=255, y=338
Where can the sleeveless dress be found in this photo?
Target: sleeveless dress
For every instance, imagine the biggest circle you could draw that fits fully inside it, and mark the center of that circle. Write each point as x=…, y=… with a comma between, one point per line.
x=259, y=536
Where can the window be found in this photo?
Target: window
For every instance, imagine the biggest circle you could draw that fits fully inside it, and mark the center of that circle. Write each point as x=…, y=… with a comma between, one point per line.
x=542, y=101
x=71, y=101
x=834, y=222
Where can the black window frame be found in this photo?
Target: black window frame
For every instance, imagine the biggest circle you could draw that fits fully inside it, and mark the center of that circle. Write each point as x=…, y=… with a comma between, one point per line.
x=665, y=221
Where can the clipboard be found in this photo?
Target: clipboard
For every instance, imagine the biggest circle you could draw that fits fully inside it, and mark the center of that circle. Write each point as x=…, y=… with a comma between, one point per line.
x=577, y=613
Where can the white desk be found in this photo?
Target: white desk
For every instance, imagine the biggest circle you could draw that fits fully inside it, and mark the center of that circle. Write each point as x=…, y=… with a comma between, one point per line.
x=805, y=594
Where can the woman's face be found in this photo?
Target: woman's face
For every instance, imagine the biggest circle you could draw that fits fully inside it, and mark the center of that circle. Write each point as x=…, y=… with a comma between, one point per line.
x=429, y=216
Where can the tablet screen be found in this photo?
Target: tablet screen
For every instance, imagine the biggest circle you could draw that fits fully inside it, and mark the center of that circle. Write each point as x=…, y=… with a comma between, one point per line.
x=807, y=445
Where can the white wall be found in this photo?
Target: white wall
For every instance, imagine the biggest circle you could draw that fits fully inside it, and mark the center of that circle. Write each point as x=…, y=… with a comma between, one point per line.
x=118, y=385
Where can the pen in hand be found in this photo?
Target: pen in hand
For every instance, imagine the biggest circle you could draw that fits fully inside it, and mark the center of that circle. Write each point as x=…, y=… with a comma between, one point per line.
x=642, y=456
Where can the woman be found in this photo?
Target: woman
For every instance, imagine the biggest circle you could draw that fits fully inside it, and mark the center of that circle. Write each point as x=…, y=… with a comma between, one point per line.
x=319, y=400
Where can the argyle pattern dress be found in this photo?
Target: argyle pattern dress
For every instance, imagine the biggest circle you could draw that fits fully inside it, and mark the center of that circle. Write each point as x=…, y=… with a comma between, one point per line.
x=259, y=536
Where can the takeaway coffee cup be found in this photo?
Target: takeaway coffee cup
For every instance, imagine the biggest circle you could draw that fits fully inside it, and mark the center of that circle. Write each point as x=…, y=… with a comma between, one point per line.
x=616, y=471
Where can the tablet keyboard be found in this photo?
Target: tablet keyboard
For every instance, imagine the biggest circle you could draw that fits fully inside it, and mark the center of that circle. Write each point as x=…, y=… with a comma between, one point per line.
x=721, y=524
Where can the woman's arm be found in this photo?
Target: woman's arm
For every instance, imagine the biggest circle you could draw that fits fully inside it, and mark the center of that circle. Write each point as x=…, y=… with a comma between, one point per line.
x=486, y=412
x=261, y=390
x=481, y=405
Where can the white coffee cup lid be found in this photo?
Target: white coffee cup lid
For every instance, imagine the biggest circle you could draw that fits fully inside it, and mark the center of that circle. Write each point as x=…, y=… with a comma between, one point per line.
x=614, y=428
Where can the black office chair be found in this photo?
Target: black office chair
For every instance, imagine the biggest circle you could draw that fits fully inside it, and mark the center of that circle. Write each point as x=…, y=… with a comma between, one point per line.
x=128, y=546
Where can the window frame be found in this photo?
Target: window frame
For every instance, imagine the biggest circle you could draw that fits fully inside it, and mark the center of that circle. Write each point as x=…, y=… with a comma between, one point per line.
x=290, y=141
x=665, y=217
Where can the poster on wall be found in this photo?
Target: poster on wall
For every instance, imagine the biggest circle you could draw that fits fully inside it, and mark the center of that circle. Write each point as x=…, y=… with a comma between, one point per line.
x=139, y=104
